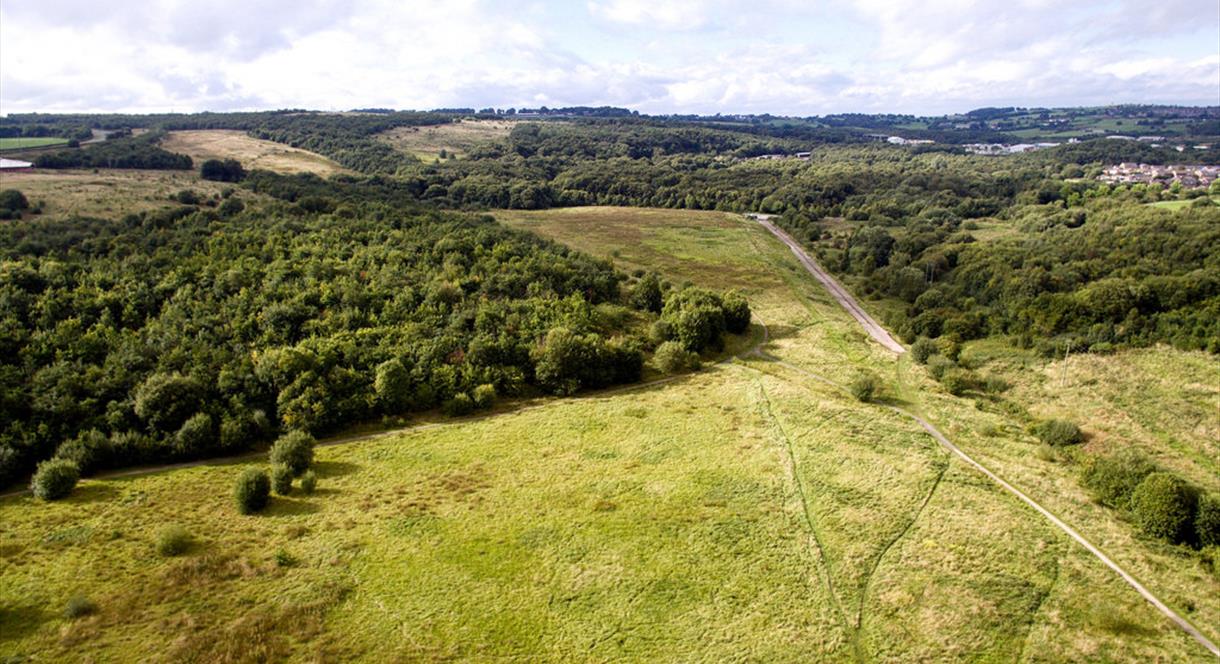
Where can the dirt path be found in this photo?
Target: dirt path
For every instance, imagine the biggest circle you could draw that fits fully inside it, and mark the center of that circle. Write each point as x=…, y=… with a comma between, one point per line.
x=840, y=294
x=883, y=337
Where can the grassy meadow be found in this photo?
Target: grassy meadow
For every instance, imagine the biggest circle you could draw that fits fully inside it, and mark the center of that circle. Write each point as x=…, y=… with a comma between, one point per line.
x=456, y=139
x=253, y=153
x=106, y=193
x=747, y=512
x=25, y=143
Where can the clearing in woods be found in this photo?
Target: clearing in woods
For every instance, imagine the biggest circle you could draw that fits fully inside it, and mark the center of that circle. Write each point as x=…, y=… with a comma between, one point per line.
x=253, y=153
x=747, y=511
x=456, y=138
x=24, y=143
x=107, y=193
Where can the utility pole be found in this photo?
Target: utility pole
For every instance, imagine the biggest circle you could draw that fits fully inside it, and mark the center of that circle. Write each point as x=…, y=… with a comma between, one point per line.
x=1064, y=370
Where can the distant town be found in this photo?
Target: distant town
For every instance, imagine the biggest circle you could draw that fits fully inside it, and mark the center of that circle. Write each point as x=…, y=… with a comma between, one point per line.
x=1189, y=176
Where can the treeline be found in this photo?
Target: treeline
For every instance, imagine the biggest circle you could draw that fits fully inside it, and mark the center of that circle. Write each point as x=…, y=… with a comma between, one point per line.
x=129, y=152
x=189, y=333
x=1076, y=270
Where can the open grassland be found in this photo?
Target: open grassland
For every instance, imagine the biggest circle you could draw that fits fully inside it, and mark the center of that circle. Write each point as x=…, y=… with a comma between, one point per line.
x=253, y=153
x=456, y=139
x=24, y=143
x=106, y=193
x=1178, y=205
x=746, y=512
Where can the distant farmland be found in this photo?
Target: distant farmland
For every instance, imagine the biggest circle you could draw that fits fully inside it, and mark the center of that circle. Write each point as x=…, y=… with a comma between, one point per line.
x=23, y=143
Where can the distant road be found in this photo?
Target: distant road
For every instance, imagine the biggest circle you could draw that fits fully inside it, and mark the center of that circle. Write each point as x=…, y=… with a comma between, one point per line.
x=839, y=293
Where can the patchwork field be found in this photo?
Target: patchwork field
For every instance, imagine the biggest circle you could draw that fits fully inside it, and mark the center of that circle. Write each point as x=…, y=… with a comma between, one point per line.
x=751, y=511
x=107, y=193
x=456, y=139
x=253, y=153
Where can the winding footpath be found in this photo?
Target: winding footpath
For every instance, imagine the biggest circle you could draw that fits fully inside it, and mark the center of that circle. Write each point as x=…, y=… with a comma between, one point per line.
x=883, y=337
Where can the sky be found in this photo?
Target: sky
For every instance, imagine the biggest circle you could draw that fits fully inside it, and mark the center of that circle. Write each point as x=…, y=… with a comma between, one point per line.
x=786, y=57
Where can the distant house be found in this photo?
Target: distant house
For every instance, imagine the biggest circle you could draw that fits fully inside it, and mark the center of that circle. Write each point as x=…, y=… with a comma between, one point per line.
x=10, y=165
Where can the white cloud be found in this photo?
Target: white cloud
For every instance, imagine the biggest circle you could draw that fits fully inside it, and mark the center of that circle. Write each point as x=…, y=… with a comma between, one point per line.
x=776, y=56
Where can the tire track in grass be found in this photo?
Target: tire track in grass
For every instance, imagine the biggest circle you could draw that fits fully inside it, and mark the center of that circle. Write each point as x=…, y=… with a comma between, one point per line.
x=871, y=326
x=827, y=578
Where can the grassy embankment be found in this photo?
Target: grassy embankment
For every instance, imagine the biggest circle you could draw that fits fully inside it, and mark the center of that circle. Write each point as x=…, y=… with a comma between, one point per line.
x=253, y=153
x=744, y=512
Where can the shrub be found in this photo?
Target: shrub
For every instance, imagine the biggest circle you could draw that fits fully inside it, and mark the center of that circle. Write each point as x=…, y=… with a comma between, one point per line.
x=938, y=365
x=1207, y=520
x=392, y=384
x=54, y=479
x=90, y=451
x=164, y=401
x=865, y=387
x=284, y=559
x=660, y=331
x=173, y=541
x=252, y=490
x=996, y=385
x=11, y=199
x=195, y=437
x=672, y=357
x=1163, y=506
x=484, y=396
x=1112, y=479
x=309, y=482
x=459, y=405
x=79, y=606
x=1058, y=433
x=294, y=450
x=229, y=170
x=958, y=381
x=281, y=479
x=922, y=349
x=647, y=294
x=736, y=313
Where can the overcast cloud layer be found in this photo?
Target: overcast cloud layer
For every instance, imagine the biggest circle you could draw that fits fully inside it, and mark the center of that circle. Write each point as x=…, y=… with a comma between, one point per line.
x=790, y=57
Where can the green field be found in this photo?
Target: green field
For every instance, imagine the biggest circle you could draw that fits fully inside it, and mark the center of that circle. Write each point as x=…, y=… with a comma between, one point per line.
x=746, y=512
x=26, y=143
x=1178, y=205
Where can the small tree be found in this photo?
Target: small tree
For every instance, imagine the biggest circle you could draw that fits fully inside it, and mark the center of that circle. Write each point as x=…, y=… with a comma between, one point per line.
x=392, y=384
x=252, y=491
x=865, y=387
x=460, y=404
x=1207, y=520
x=294, y=450
x=939, y=365
x=1058, y=433
x=281, y=479
x=1163, y=506
x=195, y=437
x=647, y=295
x=11, y=199
x=54, y=479
x=736, y=313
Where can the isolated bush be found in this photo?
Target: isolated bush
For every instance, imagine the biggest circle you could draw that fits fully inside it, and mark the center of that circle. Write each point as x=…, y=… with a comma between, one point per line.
x=187, y=197
x=672, y=357
x=228, y=170
x=281, y=479
x=484, y=396
x=938, y=365
x=11, y=199
x=1112, y=479
x=231, y=207
x=294, y=450
x=1207, y=520
x=173, y=541
x=252, y=491
x=1163, y=507
x=1058, y=433
x=865, y=387
x=309, y=482
x=79, y=606
x=996, y=385
x=54, y=479
x=922, y=349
